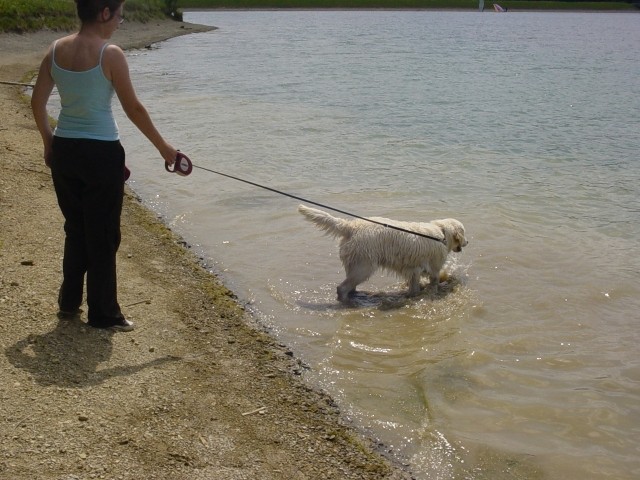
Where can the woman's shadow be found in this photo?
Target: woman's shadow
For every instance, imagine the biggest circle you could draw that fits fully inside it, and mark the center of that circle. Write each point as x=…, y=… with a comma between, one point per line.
x=69, y=356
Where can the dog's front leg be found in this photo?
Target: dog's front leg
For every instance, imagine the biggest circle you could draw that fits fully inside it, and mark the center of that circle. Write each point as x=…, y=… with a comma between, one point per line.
x=434, y=278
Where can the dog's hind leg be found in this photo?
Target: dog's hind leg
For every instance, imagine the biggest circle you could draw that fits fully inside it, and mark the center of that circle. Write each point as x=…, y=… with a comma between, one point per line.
x=414, y=283
x=434, y=281
x=355, y=276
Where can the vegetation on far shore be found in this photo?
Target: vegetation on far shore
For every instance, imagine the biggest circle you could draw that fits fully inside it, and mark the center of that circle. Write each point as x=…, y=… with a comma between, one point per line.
x=415, y=4
x=32, y=15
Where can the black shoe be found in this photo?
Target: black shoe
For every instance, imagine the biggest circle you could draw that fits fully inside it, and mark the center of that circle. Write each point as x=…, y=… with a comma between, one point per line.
x=119, y=325
x=123, y=325
x=69, y=314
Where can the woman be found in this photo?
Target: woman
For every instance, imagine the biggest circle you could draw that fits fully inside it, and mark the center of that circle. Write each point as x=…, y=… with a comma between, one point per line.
x=86, y=158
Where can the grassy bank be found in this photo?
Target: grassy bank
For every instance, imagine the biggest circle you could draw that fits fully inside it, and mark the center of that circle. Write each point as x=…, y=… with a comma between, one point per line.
x=31, y=15
x=408, y=4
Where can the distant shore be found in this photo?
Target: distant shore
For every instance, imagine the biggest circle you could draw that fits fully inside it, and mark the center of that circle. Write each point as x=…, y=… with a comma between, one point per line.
x=488, y=9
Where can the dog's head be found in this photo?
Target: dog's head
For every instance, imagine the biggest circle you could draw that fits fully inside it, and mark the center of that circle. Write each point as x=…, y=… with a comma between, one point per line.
x=453, y=234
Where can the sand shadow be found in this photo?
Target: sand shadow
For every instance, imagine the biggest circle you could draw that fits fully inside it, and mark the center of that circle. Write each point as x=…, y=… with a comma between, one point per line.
x=70, y=356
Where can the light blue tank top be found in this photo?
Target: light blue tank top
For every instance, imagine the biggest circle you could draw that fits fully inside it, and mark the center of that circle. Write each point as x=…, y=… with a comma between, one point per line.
x=86, y=102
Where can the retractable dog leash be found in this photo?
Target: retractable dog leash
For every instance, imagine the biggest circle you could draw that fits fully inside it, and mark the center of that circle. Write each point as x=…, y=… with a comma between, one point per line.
x=183, y=166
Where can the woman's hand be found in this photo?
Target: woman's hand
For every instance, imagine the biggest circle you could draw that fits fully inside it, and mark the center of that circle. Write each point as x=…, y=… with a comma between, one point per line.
x=48, y=151
x=168, y=153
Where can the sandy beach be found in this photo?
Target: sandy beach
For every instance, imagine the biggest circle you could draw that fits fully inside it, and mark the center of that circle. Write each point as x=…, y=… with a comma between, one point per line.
x=197, y=391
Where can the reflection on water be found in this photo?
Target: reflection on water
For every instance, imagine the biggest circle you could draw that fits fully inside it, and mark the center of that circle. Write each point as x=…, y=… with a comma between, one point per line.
x=525, y=365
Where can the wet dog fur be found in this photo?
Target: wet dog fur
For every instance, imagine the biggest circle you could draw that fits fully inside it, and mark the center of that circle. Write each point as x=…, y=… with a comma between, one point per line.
x=366, y=247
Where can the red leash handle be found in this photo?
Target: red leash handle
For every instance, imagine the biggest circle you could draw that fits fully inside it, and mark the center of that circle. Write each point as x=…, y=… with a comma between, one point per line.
x=182, y=166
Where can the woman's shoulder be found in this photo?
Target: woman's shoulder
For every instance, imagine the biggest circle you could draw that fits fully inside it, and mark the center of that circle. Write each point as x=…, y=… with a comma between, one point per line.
x=61, y=43
x=67, y=39
x=112, y=52
x=114, y=61
x=113, y=57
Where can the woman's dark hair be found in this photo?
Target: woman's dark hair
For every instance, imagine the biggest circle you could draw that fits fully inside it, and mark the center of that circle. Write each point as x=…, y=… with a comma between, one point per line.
x=88, y=10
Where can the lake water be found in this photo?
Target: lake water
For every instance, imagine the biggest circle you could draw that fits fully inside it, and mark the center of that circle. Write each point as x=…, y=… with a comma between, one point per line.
x=524, y=126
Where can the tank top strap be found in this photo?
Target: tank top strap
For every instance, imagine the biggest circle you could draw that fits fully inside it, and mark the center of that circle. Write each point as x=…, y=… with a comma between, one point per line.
x=53, y=53
x=101, y=52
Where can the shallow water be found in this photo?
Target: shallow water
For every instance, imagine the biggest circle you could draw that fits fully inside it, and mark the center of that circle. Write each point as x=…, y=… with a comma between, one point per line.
x=523, y=126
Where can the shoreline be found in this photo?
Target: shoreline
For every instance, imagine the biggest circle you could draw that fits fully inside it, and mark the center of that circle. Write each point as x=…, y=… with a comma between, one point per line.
x=198, y=390
x=488, y=9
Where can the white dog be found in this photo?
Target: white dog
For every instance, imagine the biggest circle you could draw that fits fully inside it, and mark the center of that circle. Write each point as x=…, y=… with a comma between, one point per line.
x=366, y=247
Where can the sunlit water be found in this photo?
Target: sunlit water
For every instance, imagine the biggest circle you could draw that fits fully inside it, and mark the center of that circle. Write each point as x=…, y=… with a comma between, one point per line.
x=523, y=126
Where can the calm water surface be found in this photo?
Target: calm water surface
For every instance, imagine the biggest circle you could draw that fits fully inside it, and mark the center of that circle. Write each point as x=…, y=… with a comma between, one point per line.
x=523, y=126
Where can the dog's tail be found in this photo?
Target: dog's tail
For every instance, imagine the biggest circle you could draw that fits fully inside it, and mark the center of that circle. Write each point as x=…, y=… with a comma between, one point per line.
x=337, y=227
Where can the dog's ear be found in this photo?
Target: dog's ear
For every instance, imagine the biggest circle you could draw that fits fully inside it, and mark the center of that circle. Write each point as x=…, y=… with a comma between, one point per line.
x=460, y=237
x=443, y=229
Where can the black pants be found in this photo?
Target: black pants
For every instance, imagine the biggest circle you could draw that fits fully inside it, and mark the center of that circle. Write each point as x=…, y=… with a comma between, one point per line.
x=88, y=176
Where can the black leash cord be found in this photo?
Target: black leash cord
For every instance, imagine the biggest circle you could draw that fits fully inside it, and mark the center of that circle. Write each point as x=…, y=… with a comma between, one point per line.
x=321, y=205
x=19, y=84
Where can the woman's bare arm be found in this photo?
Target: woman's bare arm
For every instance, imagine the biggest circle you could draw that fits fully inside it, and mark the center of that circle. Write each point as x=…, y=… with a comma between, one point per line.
x=41, y=93
x=117, y=70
